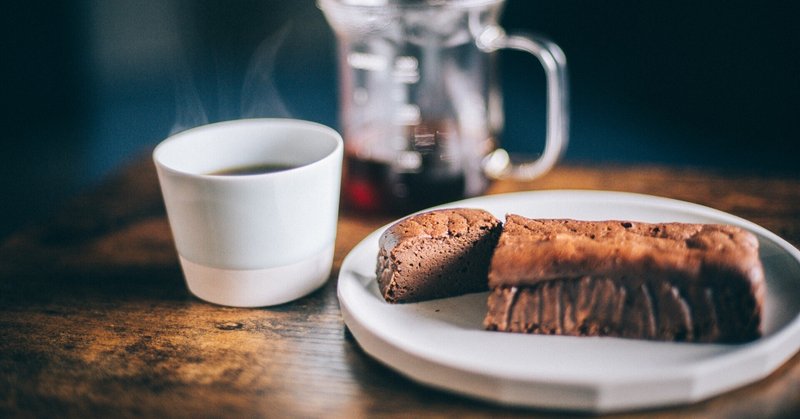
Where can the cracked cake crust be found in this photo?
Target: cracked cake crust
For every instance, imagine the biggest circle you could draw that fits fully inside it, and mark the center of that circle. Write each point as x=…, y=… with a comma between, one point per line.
x=668, y=281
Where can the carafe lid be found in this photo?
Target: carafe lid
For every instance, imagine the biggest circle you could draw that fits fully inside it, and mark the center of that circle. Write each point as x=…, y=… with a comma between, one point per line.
x=407, y=3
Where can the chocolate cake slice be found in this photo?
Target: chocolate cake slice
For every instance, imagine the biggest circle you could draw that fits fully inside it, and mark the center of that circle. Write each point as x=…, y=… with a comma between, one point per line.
x=671, y=281
x=436, y=254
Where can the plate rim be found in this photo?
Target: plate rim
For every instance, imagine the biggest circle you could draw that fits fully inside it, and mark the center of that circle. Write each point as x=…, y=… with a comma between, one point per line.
x=766, y=354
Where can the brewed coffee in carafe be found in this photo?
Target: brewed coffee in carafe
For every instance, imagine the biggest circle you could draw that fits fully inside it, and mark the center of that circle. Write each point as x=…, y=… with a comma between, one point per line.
x=419, y=107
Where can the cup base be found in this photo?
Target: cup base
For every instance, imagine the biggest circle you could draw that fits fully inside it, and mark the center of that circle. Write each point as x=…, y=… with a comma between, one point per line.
x=258, y=287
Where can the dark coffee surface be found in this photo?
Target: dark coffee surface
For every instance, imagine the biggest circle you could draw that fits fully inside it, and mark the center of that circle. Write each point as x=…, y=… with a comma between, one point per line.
x=255, y=169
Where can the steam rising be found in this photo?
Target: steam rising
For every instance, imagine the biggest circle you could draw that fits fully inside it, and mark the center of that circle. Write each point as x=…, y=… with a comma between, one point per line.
x=189, y=110
x=259, y=95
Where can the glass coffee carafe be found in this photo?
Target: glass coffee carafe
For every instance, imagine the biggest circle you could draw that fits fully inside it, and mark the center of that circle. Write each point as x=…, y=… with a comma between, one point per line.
x=420, y=108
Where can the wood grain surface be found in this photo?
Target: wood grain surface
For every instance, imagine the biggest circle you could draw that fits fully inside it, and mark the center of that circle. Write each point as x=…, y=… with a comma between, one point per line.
x=95, y=319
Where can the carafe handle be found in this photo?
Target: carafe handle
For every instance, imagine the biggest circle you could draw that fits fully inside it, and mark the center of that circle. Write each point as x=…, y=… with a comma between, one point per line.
x=498, y=163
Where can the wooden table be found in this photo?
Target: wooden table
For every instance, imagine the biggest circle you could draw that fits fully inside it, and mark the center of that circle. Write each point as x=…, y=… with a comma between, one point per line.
x=95, y=319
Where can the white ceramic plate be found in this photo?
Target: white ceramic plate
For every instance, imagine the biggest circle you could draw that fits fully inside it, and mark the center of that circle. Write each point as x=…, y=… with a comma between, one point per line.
x=441, y=343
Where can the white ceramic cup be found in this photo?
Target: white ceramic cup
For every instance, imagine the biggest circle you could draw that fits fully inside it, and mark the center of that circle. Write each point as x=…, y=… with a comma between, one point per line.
x=252, y=240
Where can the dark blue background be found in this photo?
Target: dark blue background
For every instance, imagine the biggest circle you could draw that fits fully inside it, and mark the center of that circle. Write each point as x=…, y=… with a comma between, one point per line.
x=91, y=84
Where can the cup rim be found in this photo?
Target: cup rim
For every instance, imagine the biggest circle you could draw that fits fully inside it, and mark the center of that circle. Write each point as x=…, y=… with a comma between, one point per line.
x=300, y=123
